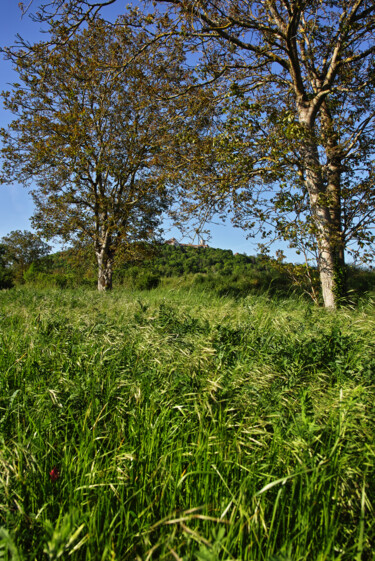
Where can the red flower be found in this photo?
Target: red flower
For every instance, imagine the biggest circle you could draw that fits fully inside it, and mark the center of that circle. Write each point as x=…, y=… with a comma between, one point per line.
x=54, y=474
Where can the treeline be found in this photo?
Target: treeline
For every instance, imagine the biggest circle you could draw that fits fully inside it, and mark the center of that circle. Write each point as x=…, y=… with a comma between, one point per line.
x=212, y=269
x=207, y=268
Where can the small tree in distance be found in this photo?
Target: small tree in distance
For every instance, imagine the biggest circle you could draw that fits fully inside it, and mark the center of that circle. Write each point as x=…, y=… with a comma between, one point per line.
x=20, y=249
x=6, y=277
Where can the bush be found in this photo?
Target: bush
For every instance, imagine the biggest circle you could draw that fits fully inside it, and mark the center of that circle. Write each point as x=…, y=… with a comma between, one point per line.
x=6, y=278
x=146, y=281
x=360, y=281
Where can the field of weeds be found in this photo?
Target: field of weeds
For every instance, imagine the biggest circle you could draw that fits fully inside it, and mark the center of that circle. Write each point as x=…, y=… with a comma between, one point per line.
x=182, y=426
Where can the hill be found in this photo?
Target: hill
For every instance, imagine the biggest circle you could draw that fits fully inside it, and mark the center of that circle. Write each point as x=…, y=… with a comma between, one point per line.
x=201, y=267
x=205, y=267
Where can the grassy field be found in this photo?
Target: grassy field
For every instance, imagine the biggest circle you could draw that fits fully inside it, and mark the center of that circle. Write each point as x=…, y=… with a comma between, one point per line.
x=182, y=426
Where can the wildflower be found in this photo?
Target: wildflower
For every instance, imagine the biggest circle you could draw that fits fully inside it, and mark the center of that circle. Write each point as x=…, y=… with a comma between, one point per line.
x=54, y=474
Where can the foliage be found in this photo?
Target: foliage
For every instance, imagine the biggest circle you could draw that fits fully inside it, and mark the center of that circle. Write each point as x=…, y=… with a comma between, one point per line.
x=20, y=249
x=92, y=131
x=146, y=281
x=292, y=151
x=57, y=271
x=294, y=147
x=6, y=277
x=184, y=425
x=210, y=270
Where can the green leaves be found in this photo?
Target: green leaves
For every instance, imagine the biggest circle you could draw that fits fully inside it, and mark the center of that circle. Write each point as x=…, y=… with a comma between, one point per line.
x=64, y=535
x=94, y=131
x=7, y=545
x=20, y=249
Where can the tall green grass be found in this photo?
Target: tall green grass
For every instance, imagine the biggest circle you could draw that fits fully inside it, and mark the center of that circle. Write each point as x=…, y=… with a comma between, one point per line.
x=180, y=425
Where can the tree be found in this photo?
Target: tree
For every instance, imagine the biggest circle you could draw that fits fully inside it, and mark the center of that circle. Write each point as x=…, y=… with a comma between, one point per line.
x=304, y=77
x=20, y=249
x=305, y=70
x=93, y=133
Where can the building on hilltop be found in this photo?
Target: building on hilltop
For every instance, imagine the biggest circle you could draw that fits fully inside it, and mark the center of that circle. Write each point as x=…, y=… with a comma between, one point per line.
x=172, y=241
x=175, y=243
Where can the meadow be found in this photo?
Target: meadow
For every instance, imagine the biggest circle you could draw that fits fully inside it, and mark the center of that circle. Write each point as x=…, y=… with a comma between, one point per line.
x=175, y=424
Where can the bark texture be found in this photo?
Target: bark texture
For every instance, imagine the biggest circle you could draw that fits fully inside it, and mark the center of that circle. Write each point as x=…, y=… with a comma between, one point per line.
x=326, y=219
x=105, y=267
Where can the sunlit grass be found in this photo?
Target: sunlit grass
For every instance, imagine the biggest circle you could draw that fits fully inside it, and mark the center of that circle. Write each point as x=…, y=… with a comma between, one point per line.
x=180, y=425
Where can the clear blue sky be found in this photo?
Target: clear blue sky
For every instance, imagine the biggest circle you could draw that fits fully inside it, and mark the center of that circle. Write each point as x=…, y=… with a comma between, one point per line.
x=16, y=206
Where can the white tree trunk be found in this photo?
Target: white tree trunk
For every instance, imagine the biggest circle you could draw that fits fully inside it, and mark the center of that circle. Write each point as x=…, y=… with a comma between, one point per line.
x=320, y=211
x=104, y=271
x=327, y=272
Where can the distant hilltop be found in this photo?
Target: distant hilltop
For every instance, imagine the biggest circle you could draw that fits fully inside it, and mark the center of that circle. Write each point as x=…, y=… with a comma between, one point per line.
x=176, y=243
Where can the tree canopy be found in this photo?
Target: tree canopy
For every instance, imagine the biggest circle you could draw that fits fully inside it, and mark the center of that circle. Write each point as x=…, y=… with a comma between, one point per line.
x=297, y=148
x=19, y=249
x=92, y=131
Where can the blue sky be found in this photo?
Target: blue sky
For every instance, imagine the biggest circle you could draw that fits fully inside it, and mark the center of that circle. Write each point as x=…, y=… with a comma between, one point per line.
x=16, y=206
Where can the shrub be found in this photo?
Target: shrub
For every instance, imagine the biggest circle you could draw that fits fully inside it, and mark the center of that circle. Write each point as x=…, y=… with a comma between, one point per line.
x=146, y=281
x=6, y=278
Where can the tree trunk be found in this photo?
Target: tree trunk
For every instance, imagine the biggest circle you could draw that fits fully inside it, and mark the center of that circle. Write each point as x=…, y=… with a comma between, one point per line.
x=327, y=271
x=334, y=167
x=105, y=263
x=320, y=210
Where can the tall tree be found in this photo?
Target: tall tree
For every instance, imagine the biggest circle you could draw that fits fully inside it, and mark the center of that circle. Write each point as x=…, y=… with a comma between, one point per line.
x=304, y=81
x=94, y=135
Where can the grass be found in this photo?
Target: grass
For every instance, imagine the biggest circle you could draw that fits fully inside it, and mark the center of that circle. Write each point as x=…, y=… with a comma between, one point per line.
x=179, y=425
